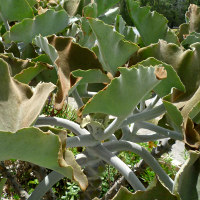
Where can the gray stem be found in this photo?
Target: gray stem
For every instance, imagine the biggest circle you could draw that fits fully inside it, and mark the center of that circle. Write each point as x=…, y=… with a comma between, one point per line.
x=166, y=132
x=113, y=160
x=133, y=137
x=110, y=129
x=45, y=185
x=145, y=115
x=49, y=181
x=56, y=121
x=81, y=141
x=142, y=152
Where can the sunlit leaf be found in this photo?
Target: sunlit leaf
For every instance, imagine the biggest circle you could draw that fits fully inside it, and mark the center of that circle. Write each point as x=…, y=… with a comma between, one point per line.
x=41, y=148
x=20, y=106
x=152, y=26
x=113, y=51
x=123, y=94
x=186, y=64
x=13, y=10
x=171, y=81
x=71, y=57
x=44, y=24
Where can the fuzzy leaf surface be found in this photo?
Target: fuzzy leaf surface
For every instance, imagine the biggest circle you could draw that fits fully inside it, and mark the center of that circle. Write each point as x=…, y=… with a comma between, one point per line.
x=190, y=39
x=43, y=43
x=71, y=56
x=113, y=51
x=38, y=147
x=44, y=24
x=20, y=106
x=124, y=93
x=186, y=63
x=152, y=26
x=166, y=85
x=193, y=15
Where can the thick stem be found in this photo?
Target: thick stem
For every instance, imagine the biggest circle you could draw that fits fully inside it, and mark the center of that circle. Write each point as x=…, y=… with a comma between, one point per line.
x=81, y=141
x=145, y=115
x=50, y=180
x=142, y=152
x=56, y=121
x=110, y=129
x=113, y=160
x=139, y=168
x=45, y=185
x=133, y=137
x=166, y=132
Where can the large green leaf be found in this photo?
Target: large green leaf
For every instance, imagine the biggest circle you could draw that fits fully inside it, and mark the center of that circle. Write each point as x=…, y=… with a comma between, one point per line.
x=98, y=7
x=166, y=85
x=190, y=39
x=44, y=24
x=13, y=10
x=124, y=93
x=127, y=31
x=43, y=43
x=27, y=75
x=87, y=37
x=24, y=70
x=71, y=6
x=71, y=57
x=173, y=113
x=41, y=148
x=104, y=5
x=186, y=63
x=20, y=106
x=113, y=51
x=152, y=26
x=89, y=76
x=187, y=181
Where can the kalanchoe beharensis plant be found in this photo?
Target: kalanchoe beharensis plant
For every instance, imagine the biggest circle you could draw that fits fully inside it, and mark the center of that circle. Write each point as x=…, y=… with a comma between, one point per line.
x=86, y=50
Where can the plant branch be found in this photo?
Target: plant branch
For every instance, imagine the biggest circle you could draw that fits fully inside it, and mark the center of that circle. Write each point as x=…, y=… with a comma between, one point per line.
x=56, y=121
x=81, y=141
x=113, y=160
x=110, y=129
x=157, y=152
x=142, y=152
x=45, y=185
x=145, y=115
x=166, y=132
x=133, y=137
x=51, y=179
